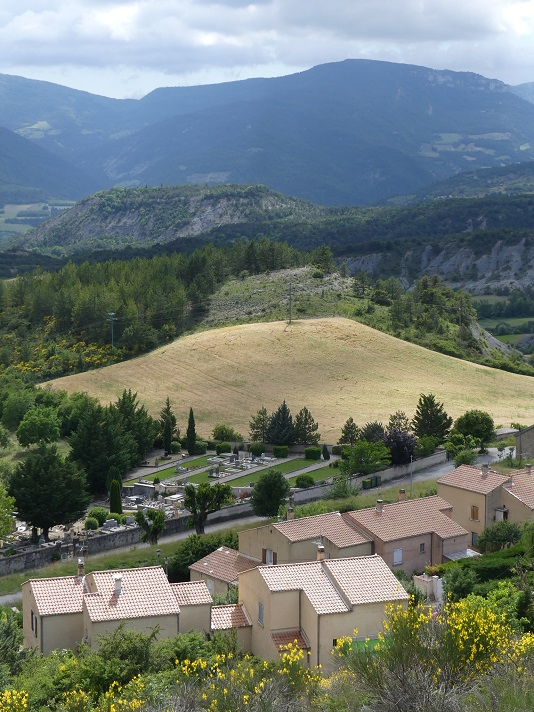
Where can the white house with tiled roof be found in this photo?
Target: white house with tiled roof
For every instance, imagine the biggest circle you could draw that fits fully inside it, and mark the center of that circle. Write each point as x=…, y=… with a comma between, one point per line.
x=221, y=568
x=316, y=602
x=412, y=534
x=482, y=497
x=297, y=539
x=63, y=612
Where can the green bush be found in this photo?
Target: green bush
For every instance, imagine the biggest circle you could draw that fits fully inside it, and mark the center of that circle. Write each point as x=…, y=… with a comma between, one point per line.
x=201, y=447
x=313, y=452
x=337, y=449
x=280, y=450
x=304, y=481
x=98, y=513
x=426, y=445
x=121, y=518
x=223, y=447
x=256, y=449
x=175, y=446
x=91, y=523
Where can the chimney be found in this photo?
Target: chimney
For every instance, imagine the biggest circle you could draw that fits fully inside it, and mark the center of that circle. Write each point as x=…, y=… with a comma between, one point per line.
x=402, y=495
x=528, y=468
x=290, y=513
x=379, y=506
x=485, y=470
x=118, y=583
x=81, y=568
x=320, y=552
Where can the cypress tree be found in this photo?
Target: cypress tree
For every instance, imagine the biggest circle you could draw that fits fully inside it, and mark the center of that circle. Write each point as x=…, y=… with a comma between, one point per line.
x=115, y=500
x=191, y=434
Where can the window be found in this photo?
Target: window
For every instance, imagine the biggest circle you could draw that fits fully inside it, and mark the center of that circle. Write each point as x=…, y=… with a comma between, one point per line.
x=34, y=623
x=422, y=548
x=268, y=556
x=474, y=512
x=397, y=556
x=474, y=538
x=260, y=613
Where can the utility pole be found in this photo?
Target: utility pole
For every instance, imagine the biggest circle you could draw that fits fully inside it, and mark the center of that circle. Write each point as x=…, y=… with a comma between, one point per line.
x=111, y=316
x=290, y=301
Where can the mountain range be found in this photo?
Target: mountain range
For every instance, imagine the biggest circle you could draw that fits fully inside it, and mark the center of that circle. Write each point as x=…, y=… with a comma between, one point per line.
x=347, y=133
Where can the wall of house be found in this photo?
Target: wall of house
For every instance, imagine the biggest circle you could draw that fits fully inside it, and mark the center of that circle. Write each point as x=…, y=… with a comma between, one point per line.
x=215, y=586
x=462, y=500
x=413, y=559
x=168, y=627
x=195, y=618
x=524, y=444
x=518, y=511
x=252, y=541
x=452, y=545
x=53, y=632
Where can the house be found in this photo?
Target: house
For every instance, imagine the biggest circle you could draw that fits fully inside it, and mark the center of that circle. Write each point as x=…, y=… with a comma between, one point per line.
x=524, y=443
x=316, y=602
x=476, y=495
x=221, y=568
x=63, y=612
x=412, y=534
x=233, y=618
x=298, y=540
x=518, y=497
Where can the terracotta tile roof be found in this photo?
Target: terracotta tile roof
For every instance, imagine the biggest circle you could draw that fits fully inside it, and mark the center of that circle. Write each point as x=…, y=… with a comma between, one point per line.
x=470, y=477
x=145, y=592
x=413, y=517
x=226, y=617
x=224, y=564
x=56, y=596
x=324, y=582
x=191, y=593
x=331, y=526
x=521, y=486
x=366, y=579
x=281, y=640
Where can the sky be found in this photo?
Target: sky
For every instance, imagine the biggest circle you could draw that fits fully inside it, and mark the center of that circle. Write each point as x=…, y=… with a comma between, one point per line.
x=126, y=48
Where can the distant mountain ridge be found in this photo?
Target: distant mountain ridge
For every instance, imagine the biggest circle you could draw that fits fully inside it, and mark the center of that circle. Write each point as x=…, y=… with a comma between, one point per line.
x=346, y=133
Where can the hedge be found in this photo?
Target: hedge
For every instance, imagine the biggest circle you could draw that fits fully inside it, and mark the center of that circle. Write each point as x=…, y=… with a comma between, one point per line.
x=223, y=447
x=256, y=449
x=313, y=452
x=280, y=450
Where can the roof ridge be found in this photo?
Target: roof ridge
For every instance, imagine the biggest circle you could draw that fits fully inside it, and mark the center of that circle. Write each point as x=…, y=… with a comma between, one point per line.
x=335, y=583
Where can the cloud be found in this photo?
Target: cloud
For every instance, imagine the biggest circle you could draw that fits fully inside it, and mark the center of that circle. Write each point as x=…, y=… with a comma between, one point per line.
x=220, y=39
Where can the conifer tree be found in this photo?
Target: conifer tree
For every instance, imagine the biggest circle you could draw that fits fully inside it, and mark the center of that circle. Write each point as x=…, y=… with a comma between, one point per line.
x=306, y=429
x=191, y=433
x=281, y=430
x=350, y=433
x=115, y=500
x=430, y=418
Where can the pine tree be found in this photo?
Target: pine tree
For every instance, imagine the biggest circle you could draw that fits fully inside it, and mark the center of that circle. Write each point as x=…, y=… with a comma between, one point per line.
x=430, y=418
x=258, y=426
x=115, y=500
x=350, y=433
x=281, y=430
x=306, y=429
x=167, y=424
x=191, y=434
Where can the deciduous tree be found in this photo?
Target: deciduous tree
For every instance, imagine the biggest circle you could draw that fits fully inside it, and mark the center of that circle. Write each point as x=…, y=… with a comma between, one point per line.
x=39, y=426
x=364, y=458
x=204, y=500
x=269, y=493
x=476, y=423
x=152, y=522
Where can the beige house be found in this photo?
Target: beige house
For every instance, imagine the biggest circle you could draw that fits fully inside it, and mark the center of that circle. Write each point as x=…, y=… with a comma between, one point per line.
x=63, y=612
x=298, y=540
x=221, y=568
x=518, y=497
x=524, y=443
x=411, y=534
x=230, y=619
x=476, y=496
x=317, y=602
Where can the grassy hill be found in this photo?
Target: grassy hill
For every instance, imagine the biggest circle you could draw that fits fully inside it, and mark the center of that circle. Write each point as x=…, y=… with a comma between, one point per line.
x=336, y=367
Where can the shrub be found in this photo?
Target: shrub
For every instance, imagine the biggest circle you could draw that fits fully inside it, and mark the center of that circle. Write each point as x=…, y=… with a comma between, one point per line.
x=175, y=446
x=304, y=481
x=91, y=523
x=121, y=518
x=465, y=457
x=98, y=513
x=223, y=447
x=280, y=450
x=201, y=447
x=312, y=453
x=426, y=445
x=256, y=449
x=337, y=449
x=326, y=452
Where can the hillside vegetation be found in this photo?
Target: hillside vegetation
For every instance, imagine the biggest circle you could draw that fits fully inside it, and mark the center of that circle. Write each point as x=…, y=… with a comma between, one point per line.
x=335, y=367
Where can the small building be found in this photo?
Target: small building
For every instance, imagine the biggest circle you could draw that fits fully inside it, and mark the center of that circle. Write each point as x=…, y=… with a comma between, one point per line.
x=63, y=612
x=476, y=495
x=412, y=534
x=298, y=540
x=220, y=569
x=233, y=617
x=316, y=602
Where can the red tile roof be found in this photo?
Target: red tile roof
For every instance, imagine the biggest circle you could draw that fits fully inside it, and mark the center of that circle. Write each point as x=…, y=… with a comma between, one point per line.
x=145, y=592
x=335, y=585
x=231, y=616
x=57, y=596
x=224, y=564
x=290, y=637
x=191, y=593
x=470, y=477
x=521, y=486
x=413, y=517
x=331, y=526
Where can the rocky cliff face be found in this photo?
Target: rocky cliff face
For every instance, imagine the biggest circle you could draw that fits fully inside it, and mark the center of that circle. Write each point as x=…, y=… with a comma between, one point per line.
x=502, y=266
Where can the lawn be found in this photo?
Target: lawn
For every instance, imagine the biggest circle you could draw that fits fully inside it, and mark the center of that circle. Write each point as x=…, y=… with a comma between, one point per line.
x=171, y=471
x=283, y=467
x=321, y=474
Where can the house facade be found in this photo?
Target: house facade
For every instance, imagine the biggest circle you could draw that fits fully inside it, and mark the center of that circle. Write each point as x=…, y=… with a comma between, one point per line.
x=316, y=602
x=220, y=569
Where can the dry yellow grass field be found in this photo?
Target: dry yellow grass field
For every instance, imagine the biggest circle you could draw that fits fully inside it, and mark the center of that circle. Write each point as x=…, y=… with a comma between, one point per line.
x=335, y=367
